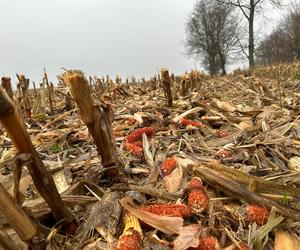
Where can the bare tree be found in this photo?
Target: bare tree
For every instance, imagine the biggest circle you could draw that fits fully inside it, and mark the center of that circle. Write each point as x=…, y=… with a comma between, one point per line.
x=283, y=44
x=211, y=34
x=292, y=28
x=249, y=8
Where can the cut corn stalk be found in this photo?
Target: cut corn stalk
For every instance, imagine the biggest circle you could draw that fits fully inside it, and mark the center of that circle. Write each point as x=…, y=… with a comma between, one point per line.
x=96, y=118
x=41, y=177
x=166, y=82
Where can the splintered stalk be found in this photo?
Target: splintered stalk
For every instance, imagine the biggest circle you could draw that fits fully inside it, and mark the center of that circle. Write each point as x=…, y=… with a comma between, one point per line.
x=19, y=221
x=6, y=84
x=96, y=118
x=184, y=85
x=43, y=181
x=100, y=88
x=48, y=91
x=6, y=243
x=34, y=89
x=24, y=84
x=167, y=86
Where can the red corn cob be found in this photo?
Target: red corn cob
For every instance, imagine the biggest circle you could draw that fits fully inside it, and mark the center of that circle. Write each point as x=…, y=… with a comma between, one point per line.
x=129, y=241
x=138, y=143
x=171, y=210
x=207, y=243
x=132, y=234
x=131, y=121
x=197, y=201
x=186, y=122
x=224, y=153
x=257, y=214
x=168, y=166
x=222, y=133
x=197, y=197
x=136, y=150
x=137, y=134
x=195, y=183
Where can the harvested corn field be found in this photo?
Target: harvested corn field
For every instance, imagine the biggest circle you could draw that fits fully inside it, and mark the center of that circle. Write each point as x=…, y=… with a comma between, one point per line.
x=174, y=162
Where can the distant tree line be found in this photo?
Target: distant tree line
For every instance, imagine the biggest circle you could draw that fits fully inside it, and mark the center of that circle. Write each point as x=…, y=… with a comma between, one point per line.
x=213, y=31
x=283, y=44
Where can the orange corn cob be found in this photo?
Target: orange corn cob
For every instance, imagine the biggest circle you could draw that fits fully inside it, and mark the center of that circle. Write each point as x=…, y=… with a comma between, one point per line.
x=136, y=150
x=132, y=234
x=137, y=134
x=168, y=166
x=207, y=243
x=257, y=214
x=186, y=122
x=224, y=153
x=197, y=197
x=171, y=210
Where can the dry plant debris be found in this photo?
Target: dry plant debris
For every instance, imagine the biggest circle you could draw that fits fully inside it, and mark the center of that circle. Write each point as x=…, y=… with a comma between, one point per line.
x=176, y=162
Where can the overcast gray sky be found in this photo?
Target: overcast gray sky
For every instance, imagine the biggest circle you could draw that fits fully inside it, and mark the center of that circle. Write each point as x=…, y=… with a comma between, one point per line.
x=126, y=37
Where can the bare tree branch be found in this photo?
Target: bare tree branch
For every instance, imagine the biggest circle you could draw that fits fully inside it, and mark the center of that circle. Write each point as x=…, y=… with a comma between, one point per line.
x=211, y=34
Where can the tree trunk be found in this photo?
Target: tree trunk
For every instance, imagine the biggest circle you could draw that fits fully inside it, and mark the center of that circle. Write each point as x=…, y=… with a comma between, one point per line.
x=213, y=68
x=251, y=35
x=222, y=63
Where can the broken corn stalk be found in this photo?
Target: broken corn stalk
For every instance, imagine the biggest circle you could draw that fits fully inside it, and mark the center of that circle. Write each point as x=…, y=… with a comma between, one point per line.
x=132, y=234
x=186, y=122
x=136, y=135
x=171, y=210
x=257, y=214
x=168, y=166
x=197, y=197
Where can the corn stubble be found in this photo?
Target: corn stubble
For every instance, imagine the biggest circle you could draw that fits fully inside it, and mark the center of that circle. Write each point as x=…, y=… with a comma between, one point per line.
x=96, y=117
x=200, y=136
x=43, y=181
